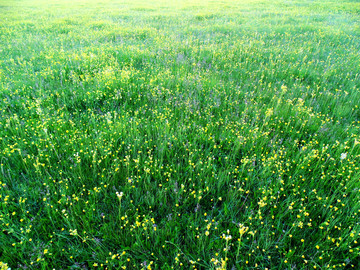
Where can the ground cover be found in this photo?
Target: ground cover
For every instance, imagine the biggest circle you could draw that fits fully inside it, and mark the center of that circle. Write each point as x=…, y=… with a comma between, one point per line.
x=179, y=134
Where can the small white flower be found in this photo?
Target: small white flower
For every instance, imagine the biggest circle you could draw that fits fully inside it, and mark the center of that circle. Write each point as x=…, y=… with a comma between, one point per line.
x=343, y=156
x=119, y=195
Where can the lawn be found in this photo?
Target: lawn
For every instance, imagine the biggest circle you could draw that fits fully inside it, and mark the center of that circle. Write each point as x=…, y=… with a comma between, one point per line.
x=180, y=134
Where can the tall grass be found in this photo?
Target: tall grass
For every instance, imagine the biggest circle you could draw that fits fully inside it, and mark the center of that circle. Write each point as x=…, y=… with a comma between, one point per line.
x=179, y=134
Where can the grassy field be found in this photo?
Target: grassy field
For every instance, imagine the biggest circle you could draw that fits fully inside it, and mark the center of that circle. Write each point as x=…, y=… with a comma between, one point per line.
x=180, y=134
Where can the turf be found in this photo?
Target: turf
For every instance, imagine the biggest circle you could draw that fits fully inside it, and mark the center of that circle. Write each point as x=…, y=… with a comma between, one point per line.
x=179, y=134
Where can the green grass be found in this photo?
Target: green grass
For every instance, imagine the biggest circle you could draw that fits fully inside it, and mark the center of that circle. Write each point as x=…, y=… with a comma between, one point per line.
x=179, y=134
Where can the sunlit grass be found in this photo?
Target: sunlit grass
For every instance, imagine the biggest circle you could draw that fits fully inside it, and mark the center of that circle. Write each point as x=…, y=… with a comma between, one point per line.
x=182, y=134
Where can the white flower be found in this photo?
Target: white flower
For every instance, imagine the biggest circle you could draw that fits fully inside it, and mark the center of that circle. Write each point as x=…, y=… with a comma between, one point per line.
x=343, y=156
x=119, y=195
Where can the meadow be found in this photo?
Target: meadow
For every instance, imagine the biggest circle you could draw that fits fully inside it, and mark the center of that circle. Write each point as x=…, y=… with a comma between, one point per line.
x=179, y=134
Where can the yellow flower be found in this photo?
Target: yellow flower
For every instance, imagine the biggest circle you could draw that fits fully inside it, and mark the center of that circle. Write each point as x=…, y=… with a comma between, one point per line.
x=269, y=112
x=262, y=203
x=4, y=266
x=242, y=229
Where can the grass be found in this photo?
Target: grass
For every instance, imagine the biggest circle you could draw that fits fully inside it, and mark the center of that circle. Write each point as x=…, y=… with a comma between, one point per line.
x=179, y=134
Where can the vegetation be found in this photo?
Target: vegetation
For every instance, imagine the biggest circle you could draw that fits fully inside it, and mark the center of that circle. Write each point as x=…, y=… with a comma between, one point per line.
x=179, y=134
